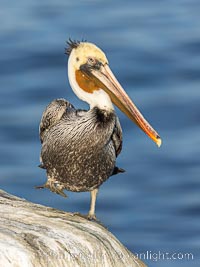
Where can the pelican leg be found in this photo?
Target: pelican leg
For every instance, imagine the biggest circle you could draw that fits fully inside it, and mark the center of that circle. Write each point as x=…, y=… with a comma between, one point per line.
x=93, y=196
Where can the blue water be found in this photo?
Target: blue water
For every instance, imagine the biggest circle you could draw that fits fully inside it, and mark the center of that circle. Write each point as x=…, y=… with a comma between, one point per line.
x=154, y=49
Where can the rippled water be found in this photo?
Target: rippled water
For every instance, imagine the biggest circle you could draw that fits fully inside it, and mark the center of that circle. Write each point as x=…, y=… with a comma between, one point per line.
x=154, y=50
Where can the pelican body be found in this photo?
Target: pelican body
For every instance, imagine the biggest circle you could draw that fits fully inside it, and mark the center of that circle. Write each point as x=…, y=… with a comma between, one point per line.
x=80, y=147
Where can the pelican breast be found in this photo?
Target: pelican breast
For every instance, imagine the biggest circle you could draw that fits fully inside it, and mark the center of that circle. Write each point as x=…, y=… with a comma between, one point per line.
x=80, y=148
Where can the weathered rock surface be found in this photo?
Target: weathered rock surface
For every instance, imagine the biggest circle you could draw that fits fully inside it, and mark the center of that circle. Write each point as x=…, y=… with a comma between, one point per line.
x=32, y=235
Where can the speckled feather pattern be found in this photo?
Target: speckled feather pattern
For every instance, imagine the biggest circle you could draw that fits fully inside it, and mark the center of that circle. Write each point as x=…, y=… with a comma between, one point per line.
x=79, y=148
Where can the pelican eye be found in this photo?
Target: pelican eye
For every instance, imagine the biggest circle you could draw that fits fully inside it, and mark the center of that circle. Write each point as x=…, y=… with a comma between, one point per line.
x=94, y=63
x=91, y=61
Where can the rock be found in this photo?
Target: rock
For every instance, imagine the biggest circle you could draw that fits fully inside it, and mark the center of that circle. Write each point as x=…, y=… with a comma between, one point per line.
x=33, y=235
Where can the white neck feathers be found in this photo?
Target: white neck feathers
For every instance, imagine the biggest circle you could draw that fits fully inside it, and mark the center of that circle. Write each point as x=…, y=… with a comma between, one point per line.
x=99, y=98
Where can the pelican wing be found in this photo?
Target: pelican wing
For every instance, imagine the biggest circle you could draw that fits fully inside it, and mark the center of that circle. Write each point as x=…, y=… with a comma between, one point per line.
x=117, y=137
x=52, y=114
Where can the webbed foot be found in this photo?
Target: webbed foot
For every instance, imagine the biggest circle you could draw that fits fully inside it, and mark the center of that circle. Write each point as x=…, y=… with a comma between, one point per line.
x=90, y=217
x=54, y=186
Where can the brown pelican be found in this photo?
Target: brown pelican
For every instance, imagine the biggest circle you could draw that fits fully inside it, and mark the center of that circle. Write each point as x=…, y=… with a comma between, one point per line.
x=79, y=147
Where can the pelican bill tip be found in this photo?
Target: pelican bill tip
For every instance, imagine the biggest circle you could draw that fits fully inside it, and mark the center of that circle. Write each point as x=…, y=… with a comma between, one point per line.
x=158, y=141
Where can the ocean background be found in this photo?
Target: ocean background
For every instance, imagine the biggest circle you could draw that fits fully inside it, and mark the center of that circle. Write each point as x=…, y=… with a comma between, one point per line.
x=154, y=50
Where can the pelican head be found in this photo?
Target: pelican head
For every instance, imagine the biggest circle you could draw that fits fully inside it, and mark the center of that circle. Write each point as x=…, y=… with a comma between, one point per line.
x=93, y=81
